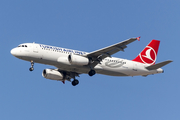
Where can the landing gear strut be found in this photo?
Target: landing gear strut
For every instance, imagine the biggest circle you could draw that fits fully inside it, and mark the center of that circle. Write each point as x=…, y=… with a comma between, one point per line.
x=75, y=82
x=32, y=66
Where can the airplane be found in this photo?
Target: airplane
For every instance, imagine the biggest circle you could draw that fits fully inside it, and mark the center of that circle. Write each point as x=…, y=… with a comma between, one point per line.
x=71, y=63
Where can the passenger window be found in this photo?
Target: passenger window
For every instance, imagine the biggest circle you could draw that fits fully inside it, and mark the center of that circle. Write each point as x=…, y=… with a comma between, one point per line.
x=25, y=45
x=22, y=45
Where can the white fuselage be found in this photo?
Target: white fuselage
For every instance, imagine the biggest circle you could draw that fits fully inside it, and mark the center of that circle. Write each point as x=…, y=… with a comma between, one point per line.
x=58, y=57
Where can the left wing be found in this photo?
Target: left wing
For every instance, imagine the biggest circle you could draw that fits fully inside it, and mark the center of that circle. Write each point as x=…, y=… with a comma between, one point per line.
x=100, y=54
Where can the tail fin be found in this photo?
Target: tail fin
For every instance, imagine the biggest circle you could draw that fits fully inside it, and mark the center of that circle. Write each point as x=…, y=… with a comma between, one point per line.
x=149, y=54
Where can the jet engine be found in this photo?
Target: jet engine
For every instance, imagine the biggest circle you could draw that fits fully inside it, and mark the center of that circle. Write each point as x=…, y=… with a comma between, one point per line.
x=78, y=60
x=53, y=74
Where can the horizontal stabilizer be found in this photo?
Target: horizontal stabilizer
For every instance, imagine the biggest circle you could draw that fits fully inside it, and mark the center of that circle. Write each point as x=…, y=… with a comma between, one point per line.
x=158, y=65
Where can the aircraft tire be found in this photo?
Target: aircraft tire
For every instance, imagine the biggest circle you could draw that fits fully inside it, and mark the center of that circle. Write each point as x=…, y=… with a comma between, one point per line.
x=92, y=72
x=31, y=69
x=75, y=82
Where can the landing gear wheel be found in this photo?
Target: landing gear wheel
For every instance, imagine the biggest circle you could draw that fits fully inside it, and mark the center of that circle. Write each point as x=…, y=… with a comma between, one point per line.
x=75, y=82
x=92, y=72
x=31, y=69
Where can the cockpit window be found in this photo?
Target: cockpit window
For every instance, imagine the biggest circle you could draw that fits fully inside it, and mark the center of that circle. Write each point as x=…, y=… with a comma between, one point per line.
x=22, y=46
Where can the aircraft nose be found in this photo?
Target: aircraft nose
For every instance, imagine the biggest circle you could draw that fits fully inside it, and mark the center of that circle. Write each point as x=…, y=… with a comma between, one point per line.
x=14, y=52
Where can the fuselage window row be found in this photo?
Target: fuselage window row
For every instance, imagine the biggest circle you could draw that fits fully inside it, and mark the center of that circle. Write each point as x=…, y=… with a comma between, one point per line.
x=56, y=51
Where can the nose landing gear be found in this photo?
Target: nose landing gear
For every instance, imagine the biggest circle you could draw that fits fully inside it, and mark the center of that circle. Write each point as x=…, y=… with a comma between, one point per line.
x=32, y=66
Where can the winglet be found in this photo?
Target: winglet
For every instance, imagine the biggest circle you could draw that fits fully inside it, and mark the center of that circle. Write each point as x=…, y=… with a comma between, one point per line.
x=138, y=38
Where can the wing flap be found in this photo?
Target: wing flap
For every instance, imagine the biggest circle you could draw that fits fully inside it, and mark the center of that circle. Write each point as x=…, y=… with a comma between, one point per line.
x=158, y=65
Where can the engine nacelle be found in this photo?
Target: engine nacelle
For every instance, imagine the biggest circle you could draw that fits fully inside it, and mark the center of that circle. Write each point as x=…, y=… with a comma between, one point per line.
x=64, y=60
x=78, y=60
x=52, y=74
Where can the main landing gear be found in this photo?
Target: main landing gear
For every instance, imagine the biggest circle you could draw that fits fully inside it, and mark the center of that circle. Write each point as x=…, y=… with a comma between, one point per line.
x=92, y=72
x=75, y=82
x=32, y=66
x=73, y=76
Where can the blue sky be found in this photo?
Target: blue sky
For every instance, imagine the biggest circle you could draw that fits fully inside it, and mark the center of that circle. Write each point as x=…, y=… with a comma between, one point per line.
x=88, y=26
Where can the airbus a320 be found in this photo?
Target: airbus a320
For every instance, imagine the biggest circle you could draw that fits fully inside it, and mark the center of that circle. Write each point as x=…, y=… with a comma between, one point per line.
x=71, y=63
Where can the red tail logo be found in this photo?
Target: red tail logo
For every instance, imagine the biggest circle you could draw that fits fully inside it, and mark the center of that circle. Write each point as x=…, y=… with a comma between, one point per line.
x=149, y=54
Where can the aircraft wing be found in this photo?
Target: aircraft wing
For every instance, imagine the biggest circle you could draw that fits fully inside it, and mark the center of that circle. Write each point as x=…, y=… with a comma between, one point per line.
x=100, y=54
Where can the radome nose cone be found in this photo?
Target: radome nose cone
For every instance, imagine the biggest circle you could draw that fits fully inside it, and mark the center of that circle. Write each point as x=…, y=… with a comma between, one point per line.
x=14, y=52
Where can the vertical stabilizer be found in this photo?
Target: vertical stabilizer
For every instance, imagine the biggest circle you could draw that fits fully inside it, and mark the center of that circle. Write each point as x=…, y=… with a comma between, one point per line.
x=149, y=54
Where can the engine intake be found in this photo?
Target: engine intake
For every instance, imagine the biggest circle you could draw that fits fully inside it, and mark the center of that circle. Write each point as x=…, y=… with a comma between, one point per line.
x=78, y=60
x=53, y=74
